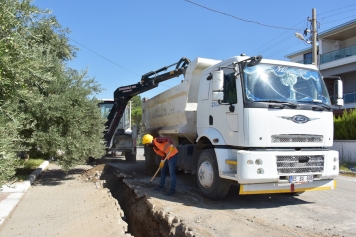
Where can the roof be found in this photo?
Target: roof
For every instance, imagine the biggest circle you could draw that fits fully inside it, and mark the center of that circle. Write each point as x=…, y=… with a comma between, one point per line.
x=335, y=29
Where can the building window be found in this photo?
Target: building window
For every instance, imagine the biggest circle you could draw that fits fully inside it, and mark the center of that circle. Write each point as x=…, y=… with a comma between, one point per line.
x=308, y=58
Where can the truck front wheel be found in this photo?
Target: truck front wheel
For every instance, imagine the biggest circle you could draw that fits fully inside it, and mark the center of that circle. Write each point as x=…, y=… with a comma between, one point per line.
x=209, y=182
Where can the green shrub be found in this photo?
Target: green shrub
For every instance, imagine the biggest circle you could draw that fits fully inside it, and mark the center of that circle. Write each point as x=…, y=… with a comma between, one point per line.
x=345, y=126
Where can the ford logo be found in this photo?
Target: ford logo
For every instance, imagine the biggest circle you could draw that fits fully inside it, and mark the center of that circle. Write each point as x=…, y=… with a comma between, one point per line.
x=300, y=119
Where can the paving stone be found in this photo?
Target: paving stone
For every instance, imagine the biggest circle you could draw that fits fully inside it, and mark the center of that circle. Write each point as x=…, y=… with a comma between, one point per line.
x=60, y=204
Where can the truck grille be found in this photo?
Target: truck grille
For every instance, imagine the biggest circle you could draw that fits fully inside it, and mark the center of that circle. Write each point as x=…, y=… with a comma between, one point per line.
x=300, y=164
x=296, y=138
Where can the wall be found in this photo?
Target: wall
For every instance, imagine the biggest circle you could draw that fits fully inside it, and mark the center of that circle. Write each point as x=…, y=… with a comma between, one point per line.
x=326, y=46
x=347, y=150
x=349, y=42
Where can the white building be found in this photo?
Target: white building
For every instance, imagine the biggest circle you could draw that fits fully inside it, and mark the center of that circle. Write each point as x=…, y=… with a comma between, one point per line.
x=336, y=57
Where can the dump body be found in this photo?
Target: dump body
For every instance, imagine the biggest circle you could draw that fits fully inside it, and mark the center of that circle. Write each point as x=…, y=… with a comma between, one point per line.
x=173, y=112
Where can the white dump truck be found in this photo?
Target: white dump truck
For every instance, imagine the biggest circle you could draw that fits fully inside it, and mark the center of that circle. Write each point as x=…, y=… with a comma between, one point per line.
x=264, y=124
x=125, y=136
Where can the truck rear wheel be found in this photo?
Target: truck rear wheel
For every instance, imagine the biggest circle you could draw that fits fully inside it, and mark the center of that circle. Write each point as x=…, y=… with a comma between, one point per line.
x=150, y=159
x=209, y=182
x=130, y=157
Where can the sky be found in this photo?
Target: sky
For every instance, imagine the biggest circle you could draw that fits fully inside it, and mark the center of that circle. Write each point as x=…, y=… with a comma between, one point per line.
x=119, y=41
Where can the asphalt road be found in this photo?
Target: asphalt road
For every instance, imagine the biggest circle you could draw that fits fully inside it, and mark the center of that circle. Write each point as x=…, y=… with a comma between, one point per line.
x=313, y=213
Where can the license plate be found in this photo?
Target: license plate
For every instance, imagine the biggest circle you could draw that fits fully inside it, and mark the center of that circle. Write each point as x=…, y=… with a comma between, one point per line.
x=301, y=179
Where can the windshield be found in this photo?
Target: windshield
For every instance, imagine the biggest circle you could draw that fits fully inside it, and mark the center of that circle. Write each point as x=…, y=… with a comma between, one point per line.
x=105, y=109
x=284, y=83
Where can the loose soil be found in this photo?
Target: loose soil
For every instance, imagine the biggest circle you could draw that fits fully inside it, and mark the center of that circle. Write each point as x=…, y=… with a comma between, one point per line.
x=141, y=215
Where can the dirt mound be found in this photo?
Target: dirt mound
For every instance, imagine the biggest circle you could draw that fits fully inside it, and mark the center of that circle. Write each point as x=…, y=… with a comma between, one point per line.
x=94, y=174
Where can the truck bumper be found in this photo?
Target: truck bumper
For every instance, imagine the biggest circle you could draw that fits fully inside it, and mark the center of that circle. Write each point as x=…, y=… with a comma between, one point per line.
x=266, y=188
x=265, y=167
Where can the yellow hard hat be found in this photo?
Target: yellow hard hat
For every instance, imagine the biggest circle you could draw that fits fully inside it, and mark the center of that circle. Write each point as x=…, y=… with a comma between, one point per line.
x=147, y=138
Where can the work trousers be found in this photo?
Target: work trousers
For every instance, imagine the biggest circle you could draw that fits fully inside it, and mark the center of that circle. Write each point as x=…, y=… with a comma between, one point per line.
x=171, y=166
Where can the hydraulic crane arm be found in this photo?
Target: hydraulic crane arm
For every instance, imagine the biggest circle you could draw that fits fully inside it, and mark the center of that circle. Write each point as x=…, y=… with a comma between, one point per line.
x=123, y=94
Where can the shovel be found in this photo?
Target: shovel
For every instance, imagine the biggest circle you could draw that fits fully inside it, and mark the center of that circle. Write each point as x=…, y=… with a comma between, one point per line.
x=171, y=148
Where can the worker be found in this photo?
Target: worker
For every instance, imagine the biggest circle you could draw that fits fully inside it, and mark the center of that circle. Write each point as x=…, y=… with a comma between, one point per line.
x=162, y=146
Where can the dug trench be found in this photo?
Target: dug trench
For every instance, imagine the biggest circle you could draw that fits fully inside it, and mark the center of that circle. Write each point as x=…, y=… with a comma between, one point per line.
x=143, y=217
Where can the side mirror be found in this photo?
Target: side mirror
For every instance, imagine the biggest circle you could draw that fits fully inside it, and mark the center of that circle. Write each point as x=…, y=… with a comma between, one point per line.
x=338, y=93
x=218, y=85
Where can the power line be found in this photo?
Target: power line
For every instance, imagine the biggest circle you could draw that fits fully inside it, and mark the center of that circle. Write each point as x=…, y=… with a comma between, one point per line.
x=274, y=38
x=237, y=18
x=103, y=57
x=338, y=20
x=307, y=27
x=336, y=9
x=277, y=43
x=291, y=45
x=338, y=14
x=110, y=60
x=297, y=25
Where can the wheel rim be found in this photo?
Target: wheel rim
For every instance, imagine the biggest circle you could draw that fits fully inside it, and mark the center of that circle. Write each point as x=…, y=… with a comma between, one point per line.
x=206, y=174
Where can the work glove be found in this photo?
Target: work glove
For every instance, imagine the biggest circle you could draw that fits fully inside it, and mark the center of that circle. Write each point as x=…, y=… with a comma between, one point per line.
x=161, y=164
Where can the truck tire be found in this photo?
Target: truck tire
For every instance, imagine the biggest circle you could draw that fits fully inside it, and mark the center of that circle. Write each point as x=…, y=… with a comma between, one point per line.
x=130, y=157
x=209, y=182
x=150, y=159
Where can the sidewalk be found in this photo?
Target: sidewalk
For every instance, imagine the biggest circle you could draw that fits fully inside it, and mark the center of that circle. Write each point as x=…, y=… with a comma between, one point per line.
x=63, y=205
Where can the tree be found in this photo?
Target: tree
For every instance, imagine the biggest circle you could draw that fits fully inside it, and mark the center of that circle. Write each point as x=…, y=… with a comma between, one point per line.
x=44, y=106
x=136, y=113
x=136, y=102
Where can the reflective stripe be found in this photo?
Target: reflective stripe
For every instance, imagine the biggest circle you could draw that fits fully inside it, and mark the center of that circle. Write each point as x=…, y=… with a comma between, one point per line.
x=231, y=162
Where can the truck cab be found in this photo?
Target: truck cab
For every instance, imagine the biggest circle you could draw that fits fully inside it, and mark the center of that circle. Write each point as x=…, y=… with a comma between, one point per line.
x=271, y=125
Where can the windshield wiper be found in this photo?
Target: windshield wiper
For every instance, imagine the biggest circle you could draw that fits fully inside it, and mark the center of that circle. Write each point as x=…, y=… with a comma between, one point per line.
x=280, y=102
x=318, y=102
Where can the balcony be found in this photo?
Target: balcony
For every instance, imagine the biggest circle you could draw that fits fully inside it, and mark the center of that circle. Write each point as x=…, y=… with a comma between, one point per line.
x=338, y=54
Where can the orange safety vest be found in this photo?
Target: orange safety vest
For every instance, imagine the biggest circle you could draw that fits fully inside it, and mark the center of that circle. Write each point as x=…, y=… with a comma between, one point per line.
x=163, y=148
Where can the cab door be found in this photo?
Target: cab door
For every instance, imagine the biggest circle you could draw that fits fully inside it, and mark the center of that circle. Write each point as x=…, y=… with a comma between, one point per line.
x=224, y=115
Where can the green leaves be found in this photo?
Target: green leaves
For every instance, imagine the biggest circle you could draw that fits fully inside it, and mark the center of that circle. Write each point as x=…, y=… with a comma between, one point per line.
x=345, y=126
x=45, y=107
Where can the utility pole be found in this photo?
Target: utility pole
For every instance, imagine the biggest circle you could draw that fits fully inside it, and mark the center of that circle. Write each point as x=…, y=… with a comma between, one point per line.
x=314, y=38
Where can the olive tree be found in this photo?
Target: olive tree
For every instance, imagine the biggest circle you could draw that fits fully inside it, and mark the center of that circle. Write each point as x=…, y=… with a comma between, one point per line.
x=45, y=106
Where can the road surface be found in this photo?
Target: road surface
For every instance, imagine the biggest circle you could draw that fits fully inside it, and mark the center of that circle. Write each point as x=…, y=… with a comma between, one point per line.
x=314, y=213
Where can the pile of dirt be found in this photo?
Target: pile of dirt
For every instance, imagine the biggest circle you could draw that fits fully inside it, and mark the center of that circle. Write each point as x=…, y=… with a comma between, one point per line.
x=94, y=174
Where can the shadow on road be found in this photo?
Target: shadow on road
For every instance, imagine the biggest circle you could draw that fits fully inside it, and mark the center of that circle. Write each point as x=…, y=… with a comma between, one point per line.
x=55, y=177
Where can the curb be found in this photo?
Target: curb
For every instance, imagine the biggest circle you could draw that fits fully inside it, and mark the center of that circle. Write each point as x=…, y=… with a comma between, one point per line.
x=16, y=191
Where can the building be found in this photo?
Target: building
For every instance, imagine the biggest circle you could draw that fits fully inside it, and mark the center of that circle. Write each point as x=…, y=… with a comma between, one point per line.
x=336, y=57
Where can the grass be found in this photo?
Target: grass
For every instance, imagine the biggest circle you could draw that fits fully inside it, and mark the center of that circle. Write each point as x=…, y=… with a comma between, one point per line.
x=27, y=167
x=348, y=167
